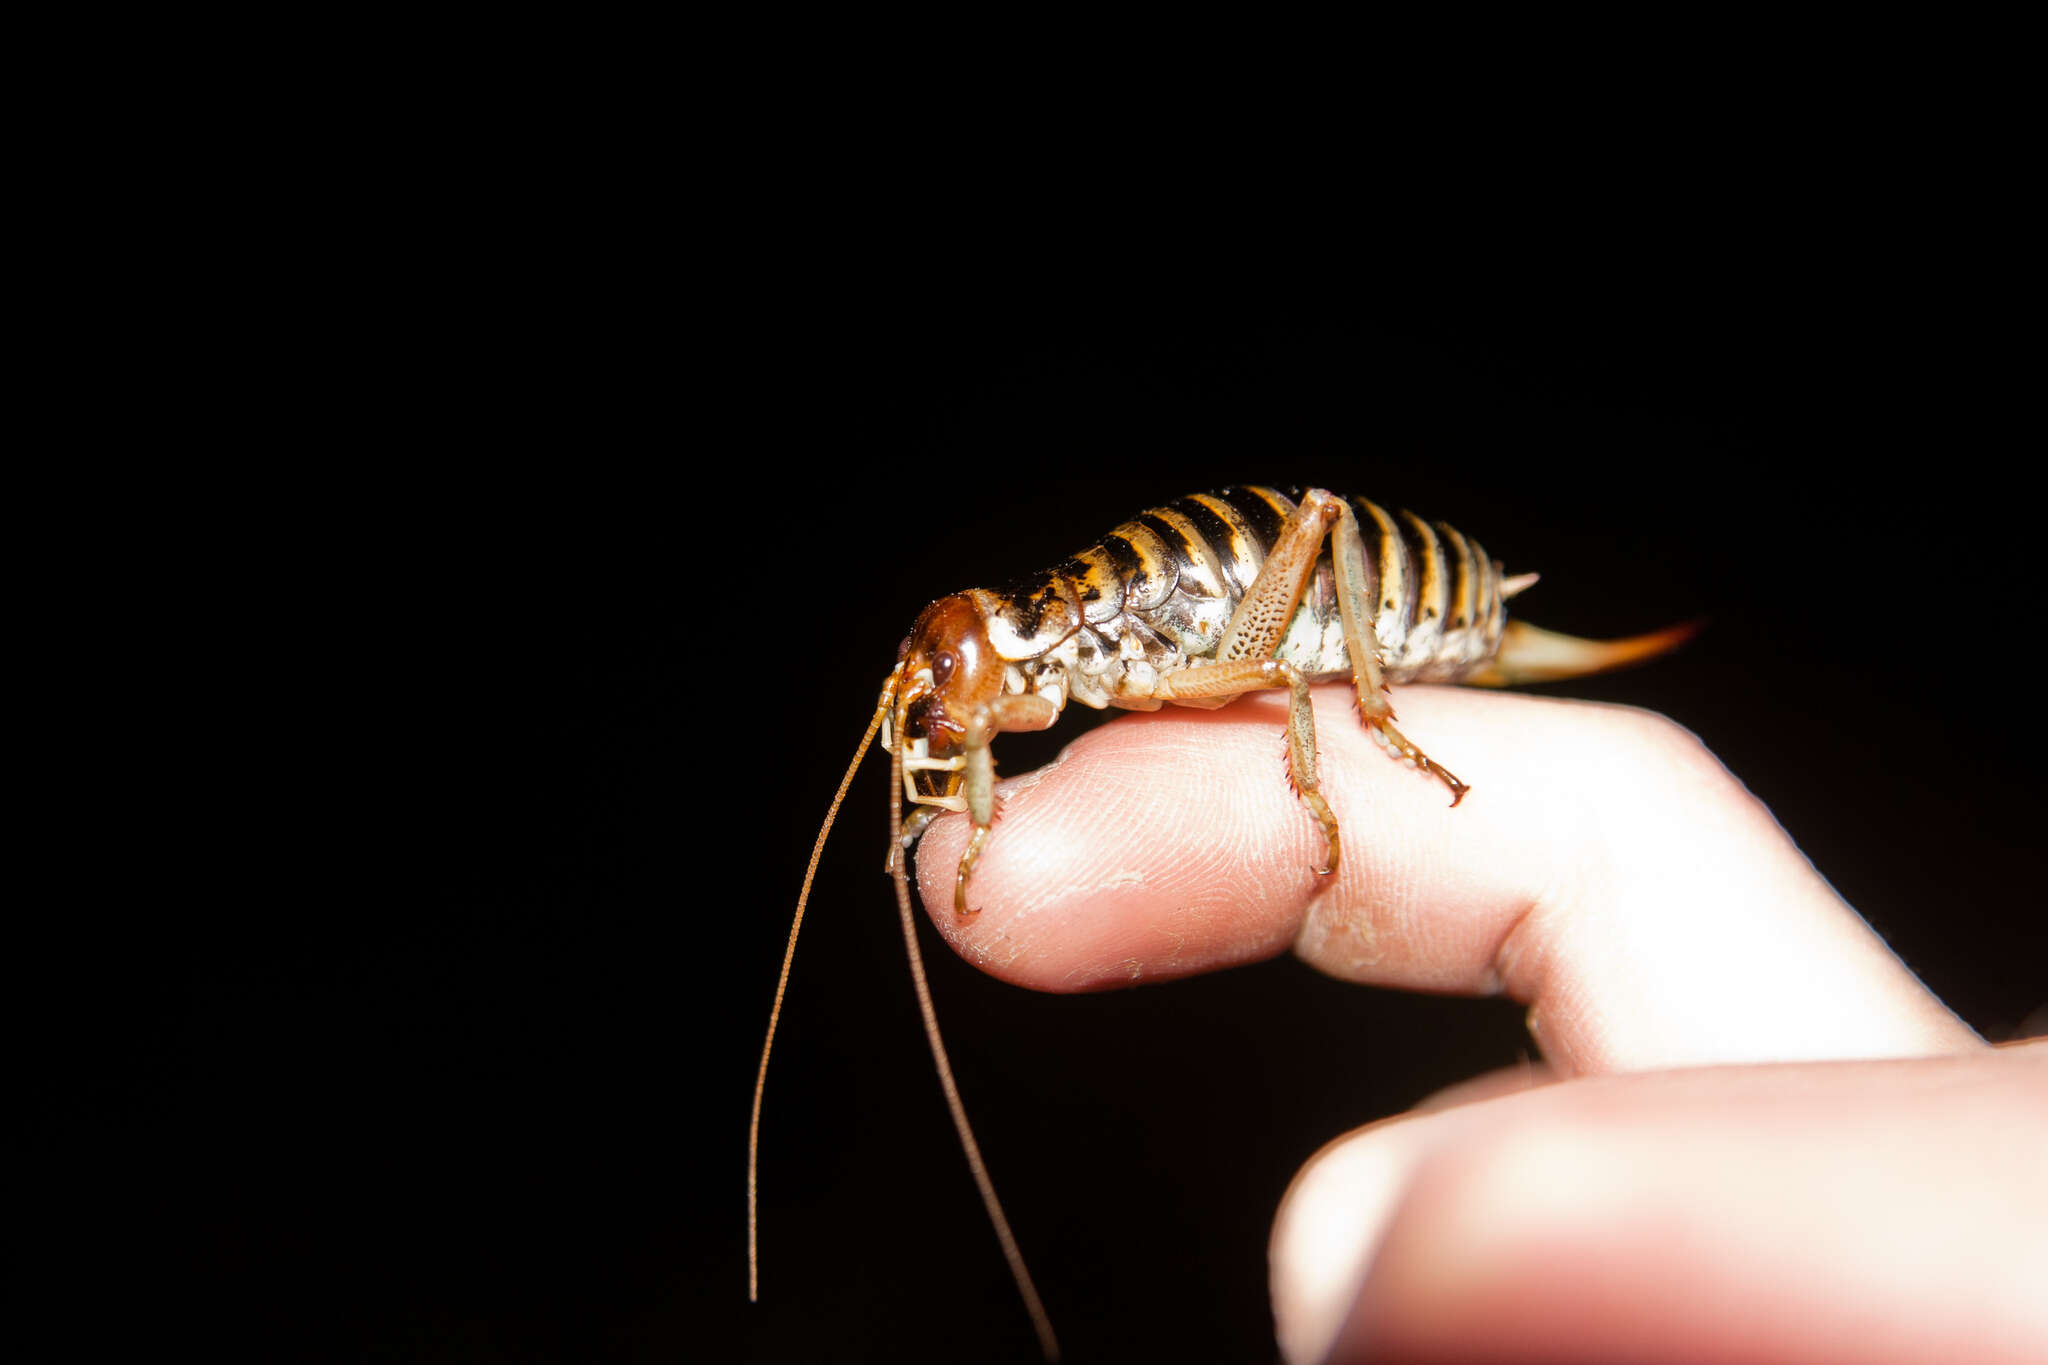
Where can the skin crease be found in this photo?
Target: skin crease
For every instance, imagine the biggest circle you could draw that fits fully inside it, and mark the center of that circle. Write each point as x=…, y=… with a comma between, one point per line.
x=1757, y=1138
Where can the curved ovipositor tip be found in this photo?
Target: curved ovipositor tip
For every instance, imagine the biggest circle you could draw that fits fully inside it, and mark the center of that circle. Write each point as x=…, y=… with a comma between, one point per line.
x=1530, y=654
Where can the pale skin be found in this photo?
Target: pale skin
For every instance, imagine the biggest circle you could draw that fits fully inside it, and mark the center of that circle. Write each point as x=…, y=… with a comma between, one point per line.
x=1756, y=1136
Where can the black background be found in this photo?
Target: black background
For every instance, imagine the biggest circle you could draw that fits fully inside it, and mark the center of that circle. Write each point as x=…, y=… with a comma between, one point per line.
x=433, y=1038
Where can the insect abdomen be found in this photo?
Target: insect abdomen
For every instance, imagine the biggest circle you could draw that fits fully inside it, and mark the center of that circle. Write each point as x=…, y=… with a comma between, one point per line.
x=1180, y=571
x=1157, y=592
x=1440, y=612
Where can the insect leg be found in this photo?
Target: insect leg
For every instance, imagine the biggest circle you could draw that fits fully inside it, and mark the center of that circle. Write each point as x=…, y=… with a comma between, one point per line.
x=1355, y=600
x=1026, y=712
x=913, y=830
x=1261, y=618
x=1226, y=681
x=1244, y=659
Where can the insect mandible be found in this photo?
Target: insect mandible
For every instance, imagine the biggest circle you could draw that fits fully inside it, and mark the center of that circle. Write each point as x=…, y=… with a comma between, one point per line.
x=1195, y=603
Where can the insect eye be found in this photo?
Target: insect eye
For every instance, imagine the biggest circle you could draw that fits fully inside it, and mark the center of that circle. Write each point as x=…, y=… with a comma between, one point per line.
x=943, y=665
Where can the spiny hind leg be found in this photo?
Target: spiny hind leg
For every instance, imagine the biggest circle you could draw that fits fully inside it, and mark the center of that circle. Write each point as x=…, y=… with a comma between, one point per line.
x=1403, y=749
x=1227, y=681
x=1262, y=616
x=1356, y=596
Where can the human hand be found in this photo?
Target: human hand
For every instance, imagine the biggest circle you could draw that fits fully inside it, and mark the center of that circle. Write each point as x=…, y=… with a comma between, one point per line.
x=1611, y=874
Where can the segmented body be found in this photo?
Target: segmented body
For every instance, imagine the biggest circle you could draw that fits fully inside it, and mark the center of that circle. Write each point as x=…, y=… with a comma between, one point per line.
x=1154, y=595
x=1207, y=599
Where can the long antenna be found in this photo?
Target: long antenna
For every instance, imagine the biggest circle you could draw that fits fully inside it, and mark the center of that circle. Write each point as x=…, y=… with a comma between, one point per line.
x=898, y=861
x=1047, y=1342
x=782, y=986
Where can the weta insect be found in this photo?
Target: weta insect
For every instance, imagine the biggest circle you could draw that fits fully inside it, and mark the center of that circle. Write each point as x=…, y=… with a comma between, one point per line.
x=1195, y=603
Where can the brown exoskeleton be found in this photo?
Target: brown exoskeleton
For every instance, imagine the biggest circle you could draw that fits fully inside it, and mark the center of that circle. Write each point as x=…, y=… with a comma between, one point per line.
x=1195, y=603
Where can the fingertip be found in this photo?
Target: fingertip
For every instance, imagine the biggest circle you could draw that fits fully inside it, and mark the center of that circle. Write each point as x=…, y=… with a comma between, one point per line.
x=1152, y=849
x=1329, y=1223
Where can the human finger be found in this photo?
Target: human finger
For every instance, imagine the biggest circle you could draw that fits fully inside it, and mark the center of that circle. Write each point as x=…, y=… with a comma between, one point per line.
x=1873, y=1211
x=1605, y=869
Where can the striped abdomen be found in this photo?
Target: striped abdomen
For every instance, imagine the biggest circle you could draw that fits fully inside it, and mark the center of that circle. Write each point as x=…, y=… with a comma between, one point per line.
x=1158, y=591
